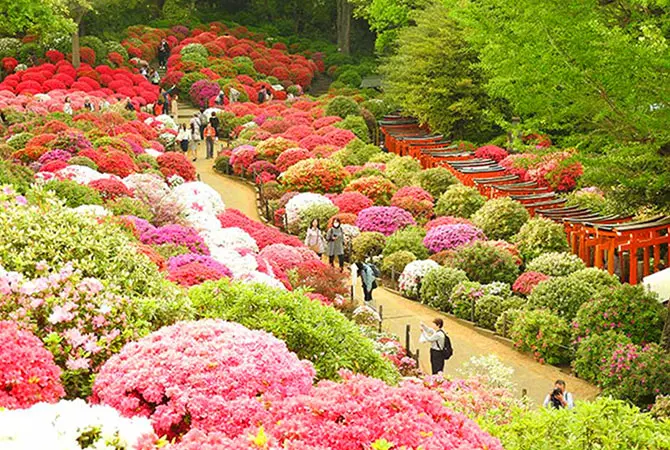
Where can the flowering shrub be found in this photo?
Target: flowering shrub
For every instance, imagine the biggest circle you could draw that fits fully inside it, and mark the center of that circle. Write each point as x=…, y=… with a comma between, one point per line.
x=460, y=201
x=376, y=188
x=501, y=218
x=181, y=377
x=271, y=148
x=490, y=307
x=352, y=202
x=384, y=219
x=28, y=374
x=178, y=235
x=527, y=281
x=409, y=239
x=411, y=278
x=556, y=264
x=321, y=278
x=491, y=152
x=367, y=245
x=437, y=285
x=543, y=334
x=396, y=262
x=74, y=425
x=627, y=309
x=492, y=372
x=596, y=278
x=79, y=321
x=110, y=189
x=562, y=295
x=202, y=91
x=422, y=210
x=486, y=263
x=436, y=180
x=197, y=272
x=299, y=203
x=173, y=163
x=463, y=298
x=286, y=257
x=315, y=175
x=450, y=237
x=592, y=354
x=402, y=171
x=446, y=220
x=291, y=157
x=540, y=235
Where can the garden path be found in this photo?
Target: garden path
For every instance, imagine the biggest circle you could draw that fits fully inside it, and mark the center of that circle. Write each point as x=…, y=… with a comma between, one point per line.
x=399, y=312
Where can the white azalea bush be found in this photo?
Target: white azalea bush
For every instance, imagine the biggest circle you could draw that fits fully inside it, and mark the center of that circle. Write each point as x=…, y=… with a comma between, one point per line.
x=300, y=203
x=411, y=277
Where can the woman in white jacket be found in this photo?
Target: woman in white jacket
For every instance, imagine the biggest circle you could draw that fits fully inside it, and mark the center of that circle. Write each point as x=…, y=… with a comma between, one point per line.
x=183, y=136
x=314, y=238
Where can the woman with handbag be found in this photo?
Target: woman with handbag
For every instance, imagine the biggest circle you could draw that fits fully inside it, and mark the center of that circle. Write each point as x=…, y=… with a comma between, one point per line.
x=335, y=238
x=314, y=238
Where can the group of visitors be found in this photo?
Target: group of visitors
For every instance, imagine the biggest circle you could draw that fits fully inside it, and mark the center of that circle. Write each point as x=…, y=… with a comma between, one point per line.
x=88, y=105
x=200, y=128
x=167, y=103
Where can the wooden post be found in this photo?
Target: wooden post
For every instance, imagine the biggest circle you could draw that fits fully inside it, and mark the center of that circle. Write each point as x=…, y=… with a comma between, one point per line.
x=472, y=311
x=381, y=317
x=407, y=337
x=416, y=358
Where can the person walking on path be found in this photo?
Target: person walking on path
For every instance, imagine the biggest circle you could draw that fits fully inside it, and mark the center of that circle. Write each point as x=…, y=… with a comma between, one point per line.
x=314, y=238
x=215, y=123
x=174, y=107
x=202, y=117
x=194, y=138
x=335, y=238
x=163, y=54
x=210, y=138
x=440, y=344
x=155, y=77
x=183, y=137
x=368, y=273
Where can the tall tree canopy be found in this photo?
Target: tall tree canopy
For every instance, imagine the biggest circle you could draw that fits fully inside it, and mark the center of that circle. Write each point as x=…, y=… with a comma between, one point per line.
x=42, y=17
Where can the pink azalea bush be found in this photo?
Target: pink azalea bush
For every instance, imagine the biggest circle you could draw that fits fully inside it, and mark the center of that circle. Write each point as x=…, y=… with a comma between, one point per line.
x=450, y=237
x=352, y=202
x=384, y=219
x=527, y=281
x=285, y=256
x=178, y=235
x=205, y=375
x=28, y=374
x=491, y=152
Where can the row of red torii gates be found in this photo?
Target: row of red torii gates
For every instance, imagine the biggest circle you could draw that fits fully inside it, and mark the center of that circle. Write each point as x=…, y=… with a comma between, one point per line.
x=599, y=240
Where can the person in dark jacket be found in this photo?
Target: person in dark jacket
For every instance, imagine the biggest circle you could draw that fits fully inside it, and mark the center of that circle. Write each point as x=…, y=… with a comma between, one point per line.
x=215, y=122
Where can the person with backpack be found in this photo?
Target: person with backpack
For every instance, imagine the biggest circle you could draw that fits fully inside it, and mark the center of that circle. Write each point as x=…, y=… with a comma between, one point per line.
x=440, y=345
x=368, y=273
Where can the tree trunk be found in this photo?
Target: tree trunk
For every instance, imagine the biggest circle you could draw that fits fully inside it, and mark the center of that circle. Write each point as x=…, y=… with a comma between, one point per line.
x=76, y=59
x=344, y=13
x=665, y=337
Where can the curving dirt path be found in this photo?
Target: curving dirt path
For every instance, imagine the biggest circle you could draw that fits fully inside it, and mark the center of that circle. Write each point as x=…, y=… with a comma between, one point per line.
x=398, y=312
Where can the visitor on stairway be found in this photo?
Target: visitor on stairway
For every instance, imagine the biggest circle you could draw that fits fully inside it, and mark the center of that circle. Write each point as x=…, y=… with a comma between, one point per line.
x=194, y=138
x=183, y=137
x=155, y=77
x=335, y=238
x=163, y=54
x=210, y=139
x=314, y=238
x=440, y=345
x=174, y=107
x=559, y=397
x=368, y=273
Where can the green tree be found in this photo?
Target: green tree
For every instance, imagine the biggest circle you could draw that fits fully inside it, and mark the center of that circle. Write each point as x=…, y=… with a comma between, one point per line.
x=28, y=16
x=434, y=77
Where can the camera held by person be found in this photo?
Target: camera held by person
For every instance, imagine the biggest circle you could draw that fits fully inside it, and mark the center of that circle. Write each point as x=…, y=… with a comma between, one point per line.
x=559, y=397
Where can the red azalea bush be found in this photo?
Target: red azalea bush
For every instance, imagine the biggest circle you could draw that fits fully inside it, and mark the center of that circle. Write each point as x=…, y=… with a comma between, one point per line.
x=414, y=192
x=315, y=175
x=352, y=202
x=376, y=188
x=344, y=218
x=242, y=157
x=291, y=157
x=173, y=163
x=320, y=278
x=203, y=375
x=28, y=373
x=53, y=166
x=202, y=91
x=491, y=152
x=110, y=189
x=421, y=210
x=527, y=281
x=197, y=272
x=117, y=163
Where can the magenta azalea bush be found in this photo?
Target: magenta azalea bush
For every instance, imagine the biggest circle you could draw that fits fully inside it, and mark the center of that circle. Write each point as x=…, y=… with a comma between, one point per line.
x=202, y=91
x=205, y=375
x=384, y=219
x=449, y=237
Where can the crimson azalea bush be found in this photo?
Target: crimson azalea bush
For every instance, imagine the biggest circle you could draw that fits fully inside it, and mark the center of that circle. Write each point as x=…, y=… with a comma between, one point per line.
x=292, y=156
x=320, y=278
x=450, y=237
x=315, y=175
x=376, y=188
x=384, y=219
x=28, y=374
x=197, y=272
x=200, y=375
x=527, y=281
x=110, y=189
x=491, y=152
x=352, y=202
x=174, y=163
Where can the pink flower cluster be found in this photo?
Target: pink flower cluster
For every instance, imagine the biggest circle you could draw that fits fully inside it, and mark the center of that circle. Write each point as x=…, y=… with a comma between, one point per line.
x=28, y=374
x=192, y=268
x=449, y=237
x=175, y=234
x=527, y=281
x=351, y=202
x=384, y=219
x=491, y=152
x=287, y=257
x=205, y=375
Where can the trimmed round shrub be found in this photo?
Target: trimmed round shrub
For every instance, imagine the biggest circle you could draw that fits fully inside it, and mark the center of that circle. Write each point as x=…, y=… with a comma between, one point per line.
x=596, y=278
x=556, y=264
x=591, y=353
x=561, y=295
x=366, y=245
x=357, y=125
x=352, y=202
x=630, y=310
x=485, y=263
x=395, y=263
x=356, y=153
x=527, y=281
x=83, y=161
x=437, y=286
x=376, y=188
x=543, y=334
x=436, y=180
x=351, y=78
x=489, y=308
x=321, y=212
x=402, y=171
x=409, y=282
x=315, y=175
x=126, y=206
x=464, y=297
x=342, y=107
x=384, y=219
x=459, y=201
x=74, y=193
x=501, y=218
x=450, y=237
x=408, y=239
x=313, y=331
x=538, y=236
